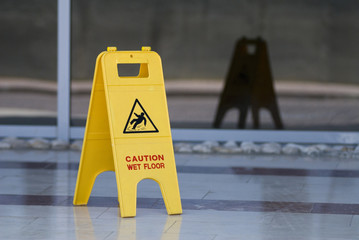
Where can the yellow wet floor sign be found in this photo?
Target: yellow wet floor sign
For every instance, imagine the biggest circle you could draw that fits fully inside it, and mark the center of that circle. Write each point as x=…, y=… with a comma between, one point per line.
x=128, y=131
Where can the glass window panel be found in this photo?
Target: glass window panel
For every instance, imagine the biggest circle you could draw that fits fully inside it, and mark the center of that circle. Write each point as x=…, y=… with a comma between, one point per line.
x=28, y=62
x=312, y=53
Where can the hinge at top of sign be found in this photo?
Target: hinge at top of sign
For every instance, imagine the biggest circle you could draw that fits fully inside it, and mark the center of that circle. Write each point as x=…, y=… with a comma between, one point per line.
x=111, y=49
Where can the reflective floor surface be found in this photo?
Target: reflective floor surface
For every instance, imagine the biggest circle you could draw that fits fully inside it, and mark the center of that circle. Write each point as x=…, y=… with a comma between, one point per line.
x=223, y=197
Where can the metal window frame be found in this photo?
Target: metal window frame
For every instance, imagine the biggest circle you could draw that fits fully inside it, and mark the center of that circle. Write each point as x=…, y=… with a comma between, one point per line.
x=283, y=136
x=63, y=68
x=65, y=132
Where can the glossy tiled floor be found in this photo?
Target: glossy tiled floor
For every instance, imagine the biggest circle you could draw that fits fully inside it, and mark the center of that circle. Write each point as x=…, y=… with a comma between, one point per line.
x=223, y=197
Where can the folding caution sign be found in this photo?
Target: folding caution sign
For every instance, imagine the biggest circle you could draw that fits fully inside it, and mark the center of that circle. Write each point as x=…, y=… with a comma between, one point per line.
x=128, y=131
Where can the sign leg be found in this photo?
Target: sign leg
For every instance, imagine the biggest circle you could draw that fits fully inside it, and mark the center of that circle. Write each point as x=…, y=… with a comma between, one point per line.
x=173, y=200
x=96, y=158
x=127, y=197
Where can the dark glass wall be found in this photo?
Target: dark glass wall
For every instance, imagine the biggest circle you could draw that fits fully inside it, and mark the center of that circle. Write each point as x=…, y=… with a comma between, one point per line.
x=28, y=62
x=312, y=54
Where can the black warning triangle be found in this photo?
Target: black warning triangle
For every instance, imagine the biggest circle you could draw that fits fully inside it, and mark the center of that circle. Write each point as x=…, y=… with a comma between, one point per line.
x=139, y=121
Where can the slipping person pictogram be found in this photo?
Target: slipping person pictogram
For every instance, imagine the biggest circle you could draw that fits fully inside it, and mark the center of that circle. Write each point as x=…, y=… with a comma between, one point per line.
x=139, y=121
x=140, y=118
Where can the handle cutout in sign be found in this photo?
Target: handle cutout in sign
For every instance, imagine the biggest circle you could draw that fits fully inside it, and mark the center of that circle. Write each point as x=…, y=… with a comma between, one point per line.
x=132, y=70
x=252, y=49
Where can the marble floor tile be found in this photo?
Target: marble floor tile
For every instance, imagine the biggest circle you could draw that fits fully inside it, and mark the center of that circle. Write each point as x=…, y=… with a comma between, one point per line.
x=234, y=196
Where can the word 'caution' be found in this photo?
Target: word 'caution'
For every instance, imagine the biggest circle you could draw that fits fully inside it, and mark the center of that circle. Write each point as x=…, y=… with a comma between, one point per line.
x=145, y=158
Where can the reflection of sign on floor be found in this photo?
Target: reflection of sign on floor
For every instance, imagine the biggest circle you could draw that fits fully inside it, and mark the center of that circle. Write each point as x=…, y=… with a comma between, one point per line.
x=139, y=121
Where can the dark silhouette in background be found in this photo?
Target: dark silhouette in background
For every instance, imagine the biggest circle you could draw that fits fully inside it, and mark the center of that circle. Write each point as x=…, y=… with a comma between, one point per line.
x=249, y=83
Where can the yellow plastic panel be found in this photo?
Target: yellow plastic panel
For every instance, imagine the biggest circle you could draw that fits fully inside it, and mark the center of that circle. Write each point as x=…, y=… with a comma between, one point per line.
x=128, y=131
